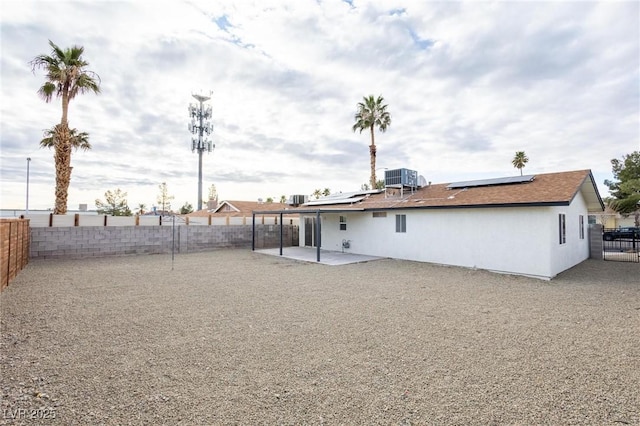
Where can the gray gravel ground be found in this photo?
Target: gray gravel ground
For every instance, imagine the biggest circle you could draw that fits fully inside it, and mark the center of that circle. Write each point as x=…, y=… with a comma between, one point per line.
x=235, y=337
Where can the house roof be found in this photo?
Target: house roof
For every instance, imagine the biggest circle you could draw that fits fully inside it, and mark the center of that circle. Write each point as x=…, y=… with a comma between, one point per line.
x=549, y=189
x=238, y=208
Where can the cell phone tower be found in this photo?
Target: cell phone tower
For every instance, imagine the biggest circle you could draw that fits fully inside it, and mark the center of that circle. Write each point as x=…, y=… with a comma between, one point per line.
x=202, y=127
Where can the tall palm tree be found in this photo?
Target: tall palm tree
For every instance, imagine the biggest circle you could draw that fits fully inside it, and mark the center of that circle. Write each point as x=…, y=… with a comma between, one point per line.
x=52, y=138
x=520, y=160
x=77, y=140
x=66, y=76
x=372, y=113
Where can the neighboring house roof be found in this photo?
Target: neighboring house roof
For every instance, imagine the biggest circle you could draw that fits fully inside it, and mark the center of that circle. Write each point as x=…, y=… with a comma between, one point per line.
x=549, y=189
x=238, y=208
x=158, y=212
x=608, y=211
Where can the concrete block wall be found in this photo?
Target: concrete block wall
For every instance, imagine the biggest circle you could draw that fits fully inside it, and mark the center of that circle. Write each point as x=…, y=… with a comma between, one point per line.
x=202, y=238
x=595, y=241
x=97, y=241
x=269, y=236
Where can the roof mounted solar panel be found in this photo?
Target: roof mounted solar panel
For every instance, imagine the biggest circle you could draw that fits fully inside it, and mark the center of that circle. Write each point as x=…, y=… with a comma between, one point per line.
x=492, y=182
x=326, y=202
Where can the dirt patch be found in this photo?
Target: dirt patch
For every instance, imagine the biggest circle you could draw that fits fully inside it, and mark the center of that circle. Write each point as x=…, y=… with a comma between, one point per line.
x=243, y=338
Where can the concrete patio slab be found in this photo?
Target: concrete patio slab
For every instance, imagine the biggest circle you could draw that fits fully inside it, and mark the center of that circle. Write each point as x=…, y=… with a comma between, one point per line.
x=327, y=257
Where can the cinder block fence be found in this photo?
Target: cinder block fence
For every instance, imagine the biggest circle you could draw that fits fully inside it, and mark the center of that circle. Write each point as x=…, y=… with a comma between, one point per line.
x=74, y=242
x=75, y=236
x=595, y=241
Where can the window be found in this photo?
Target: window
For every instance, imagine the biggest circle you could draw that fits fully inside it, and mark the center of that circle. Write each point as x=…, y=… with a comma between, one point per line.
x=379, y=214
x=581, y=221
x=343, y=223
x=562, y=228
x=401, y=223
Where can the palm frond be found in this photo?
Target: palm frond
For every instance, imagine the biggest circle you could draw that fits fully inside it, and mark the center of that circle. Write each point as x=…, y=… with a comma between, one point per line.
x=371, y=113
x=78, y=140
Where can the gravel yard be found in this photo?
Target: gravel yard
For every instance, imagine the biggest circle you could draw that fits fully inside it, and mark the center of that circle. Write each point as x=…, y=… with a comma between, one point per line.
x=236, y=337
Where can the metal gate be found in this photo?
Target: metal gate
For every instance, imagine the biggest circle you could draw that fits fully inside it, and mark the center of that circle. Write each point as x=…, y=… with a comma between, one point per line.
x=621, y=246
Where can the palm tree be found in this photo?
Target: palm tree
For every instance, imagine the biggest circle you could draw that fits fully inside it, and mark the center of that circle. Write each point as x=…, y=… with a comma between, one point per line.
x=141, y=208
x=77, y=140
x=66, y=77
x=317, y=193
x=520, y=160
x=372, y=113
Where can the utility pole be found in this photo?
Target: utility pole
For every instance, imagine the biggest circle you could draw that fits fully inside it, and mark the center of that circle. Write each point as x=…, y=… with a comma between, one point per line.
x=27, y=206
x=201, y=127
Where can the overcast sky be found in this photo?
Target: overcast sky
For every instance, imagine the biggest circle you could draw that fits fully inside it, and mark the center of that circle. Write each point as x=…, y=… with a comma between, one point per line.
x=467, y=84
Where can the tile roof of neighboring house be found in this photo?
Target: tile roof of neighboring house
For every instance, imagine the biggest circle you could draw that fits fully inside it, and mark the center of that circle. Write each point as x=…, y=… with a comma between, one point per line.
x=545, y=189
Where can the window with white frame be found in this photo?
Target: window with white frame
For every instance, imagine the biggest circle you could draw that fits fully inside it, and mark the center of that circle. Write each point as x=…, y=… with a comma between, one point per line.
x=401, y=223
x=562, y=228
x=343, y=223
x=581, y=222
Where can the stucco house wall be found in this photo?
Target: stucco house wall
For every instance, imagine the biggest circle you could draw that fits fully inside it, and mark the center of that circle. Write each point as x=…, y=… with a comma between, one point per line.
x=519, y=240
x=576, y=249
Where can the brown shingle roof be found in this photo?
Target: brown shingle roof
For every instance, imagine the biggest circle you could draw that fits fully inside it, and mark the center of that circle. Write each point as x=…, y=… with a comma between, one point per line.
x=550, y=188
x=546, y=189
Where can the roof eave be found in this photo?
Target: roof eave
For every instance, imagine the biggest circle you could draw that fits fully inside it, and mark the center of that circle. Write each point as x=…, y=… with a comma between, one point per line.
x=408, y=207
x=595, y=192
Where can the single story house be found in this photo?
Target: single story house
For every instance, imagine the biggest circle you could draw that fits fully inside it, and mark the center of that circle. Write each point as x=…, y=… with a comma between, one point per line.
x=533, y=225
x=612, y=219
x=241, y=212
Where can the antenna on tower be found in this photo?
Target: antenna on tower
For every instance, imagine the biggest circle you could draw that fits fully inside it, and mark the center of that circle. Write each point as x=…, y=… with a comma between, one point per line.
x=201, y=127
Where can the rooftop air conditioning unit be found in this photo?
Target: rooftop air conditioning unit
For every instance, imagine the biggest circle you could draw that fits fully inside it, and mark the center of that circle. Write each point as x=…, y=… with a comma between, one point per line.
x=297, y=199
x=401, y=177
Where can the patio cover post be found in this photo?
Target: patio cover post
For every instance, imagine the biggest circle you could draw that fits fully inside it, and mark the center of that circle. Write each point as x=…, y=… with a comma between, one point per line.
x=281, y=232
x=253, y=231
x=318, y=239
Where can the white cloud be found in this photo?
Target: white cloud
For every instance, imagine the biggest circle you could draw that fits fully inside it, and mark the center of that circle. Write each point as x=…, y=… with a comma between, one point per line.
x=467, y=85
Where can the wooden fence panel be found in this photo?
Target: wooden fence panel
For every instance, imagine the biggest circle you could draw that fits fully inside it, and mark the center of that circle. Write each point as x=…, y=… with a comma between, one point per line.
x=15, y=239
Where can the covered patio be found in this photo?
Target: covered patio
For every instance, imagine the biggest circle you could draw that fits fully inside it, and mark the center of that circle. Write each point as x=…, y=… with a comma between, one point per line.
x=307, y=253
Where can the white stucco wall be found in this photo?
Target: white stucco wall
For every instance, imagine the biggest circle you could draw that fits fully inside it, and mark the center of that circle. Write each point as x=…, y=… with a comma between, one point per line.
x=519, y=240
x=575, y=250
